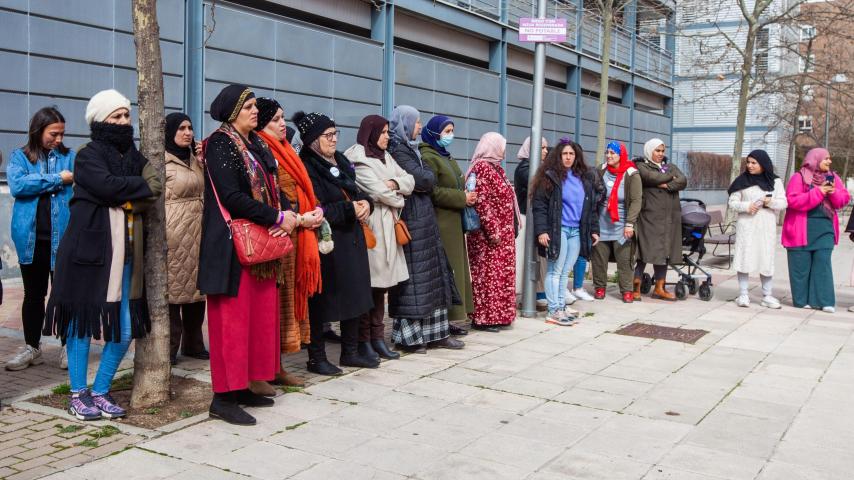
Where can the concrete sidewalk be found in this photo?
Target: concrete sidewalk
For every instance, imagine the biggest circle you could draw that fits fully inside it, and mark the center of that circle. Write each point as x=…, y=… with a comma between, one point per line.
x=765, y=395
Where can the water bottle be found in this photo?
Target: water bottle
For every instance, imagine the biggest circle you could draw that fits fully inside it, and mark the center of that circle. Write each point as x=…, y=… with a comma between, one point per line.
x=471, y=182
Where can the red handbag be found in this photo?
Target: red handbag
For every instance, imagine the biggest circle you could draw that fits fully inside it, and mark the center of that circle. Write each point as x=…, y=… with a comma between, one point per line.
x=252, y=242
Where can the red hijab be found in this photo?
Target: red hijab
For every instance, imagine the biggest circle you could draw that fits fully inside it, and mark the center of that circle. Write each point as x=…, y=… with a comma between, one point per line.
x=619, y=171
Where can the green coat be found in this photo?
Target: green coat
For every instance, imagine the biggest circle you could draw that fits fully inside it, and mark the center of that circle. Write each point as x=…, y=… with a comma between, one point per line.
x=449, y=200
x=659, y=226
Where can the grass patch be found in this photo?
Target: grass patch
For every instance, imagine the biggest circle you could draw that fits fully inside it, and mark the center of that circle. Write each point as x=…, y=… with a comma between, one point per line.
x=295, y=426
x=125, y=382
x=290, y=389
x=104, y=432
x=588, y=314
x=90, y=443
x=63, y=389
x=185, y=414
x=69, y=428
x=152, y=411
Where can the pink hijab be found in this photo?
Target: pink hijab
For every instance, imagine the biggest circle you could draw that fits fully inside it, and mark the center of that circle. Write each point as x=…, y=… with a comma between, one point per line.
x=490, y=149
x=813, y=176
x=525, y=149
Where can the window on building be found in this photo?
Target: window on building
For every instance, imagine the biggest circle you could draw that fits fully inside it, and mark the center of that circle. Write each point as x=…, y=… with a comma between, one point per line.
x=807, y=64
x=761, y=61
x=805, y=123
x=807, y=32
x=808, y=93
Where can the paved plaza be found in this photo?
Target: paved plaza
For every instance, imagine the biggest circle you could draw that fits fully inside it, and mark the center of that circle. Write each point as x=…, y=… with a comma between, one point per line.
x=764, y=395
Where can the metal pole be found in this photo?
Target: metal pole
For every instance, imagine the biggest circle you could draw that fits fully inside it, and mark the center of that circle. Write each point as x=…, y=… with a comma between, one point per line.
x=531, y=265
x=194, y=75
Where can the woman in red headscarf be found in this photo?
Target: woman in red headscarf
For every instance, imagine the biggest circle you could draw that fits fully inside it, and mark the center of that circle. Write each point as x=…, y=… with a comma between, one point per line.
x=492, y=249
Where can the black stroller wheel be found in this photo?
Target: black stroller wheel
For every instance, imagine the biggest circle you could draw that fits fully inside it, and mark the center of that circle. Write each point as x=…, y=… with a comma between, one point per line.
x=692, y=286
x=646, y=283
x=681, y=292
x=705, y=291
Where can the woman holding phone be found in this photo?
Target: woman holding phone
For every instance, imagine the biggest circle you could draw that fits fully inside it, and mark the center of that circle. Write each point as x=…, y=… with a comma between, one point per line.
x=757, y=195
x=811, y=230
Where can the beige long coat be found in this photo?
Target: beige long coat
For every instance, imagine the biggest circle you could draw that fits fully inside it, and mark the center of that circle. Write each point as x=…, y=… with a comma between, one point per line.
x=185, y=186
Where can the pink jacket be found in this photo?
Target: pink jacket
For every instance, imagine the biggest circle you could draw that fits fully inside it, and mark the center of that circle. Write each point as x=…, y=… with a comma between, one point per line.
x=801, y=200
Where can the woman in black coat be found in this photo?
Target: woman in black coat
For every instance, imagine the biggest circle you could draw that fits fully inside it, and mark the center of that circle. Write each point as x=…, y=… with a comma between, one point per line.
x=420, y=304
x=345, y=272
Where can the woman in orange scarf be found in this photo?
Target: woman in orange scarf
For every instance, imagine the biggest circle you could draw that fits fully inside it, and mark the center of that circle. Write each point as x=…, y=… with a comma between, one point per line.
x=302, y=266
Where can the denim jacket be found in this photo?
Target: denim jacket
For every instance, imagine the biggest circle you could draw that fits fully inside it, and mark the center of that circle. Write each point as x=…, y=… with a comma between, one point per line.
x=27, y=182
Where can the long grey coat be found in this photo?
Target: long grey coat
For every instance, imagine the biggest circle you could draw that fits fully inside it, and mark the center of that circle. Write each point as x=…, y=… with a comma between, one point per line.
x=659, y=229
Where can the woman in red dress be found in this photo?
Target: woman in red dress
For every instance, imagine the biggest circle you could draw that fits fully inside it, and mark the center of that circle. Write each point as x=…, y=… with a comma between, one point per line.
x=492, y=249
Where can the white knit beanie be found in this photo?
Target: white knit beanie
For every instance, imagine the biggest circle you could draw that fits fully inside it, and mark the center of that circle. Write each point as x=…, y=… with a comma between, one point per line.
x=103, y=104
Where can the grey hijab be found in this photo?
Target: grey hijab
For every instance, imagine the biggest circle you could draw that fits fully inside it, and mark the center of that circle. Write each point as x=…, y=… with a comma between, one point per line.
x=402, y=125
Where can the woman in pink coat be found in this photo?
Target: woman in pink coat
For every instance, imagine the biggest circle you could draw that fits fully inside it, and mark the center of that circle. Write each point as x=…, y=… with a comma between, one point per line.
x=811, y=230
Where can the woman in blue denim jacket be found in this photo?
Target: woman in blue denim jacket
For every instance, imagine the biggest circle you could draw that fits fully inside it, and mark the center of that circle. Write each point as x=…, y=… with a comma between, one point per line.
x=40, y=178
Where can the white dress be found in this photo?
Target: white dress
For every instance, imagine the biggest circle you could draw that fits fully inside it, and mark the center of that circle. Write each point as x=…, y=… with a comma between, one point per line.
x=756, y=235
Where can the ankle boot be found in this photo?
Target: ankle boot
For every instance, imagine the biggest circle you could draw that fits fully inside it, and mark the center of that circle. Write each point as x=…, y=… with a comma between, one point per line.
x=366, y=350
x=317, y=362
x=661, y=293
x=636, y=293
x=262, y=388
x=350, y=356
x=224, y=407
x=382, y=349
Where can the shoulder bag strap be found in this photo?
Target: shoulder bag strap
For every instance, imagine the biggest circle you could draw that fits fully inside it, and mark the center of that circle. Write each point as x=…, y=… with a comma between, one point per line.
x=225, y=215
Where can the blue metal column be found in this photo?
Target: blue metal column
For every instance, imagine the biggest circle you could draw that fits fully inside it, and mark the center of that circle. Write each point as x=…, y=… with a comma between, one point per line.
x=498, y=64
x=575, y=72
x=573, y=84
x=194, y=63
x=382, y=30
x=629, y=90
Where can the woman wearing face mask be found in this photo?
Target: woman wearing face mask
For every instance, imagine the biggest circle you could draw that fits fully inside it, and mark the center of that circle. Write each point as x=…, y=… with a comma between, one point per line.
x=419, y=306
x=449, y=199
x=617, y=220
x=302, y=265
x=39, y=177
x=378, y=175
x=185, y=189
x=346, y=273
x=98, y=288
x=811, y=230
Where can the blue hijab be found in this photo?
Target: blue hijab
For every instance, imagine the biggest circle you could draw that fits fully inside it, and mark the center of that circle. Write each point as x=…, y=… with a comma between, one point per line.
x=433, y=130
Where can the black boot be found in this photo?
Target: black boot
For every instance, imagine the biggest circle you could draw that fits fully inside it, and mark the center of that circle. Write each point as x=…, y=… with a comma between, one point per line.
x=382, y=349
x=224, y=407
x=350, y=356
x=317, y=362
x=250, y=399
x=458, y=331
x=367, y=350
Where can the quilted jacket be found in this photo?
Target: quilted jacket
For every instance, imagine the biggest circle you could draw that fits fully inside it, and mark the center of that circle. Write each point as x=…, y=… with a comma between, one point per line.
x=185, y=187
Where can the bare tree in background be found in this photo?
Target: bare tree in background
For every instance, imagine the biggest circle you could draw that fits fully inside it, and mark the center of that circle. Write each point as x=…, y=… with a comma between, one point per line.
x=152, y=373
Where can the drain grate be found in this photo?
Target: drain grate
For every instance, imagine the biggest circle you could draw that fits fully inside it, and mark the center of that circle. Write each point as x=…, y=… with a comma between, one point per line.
x=659, y=332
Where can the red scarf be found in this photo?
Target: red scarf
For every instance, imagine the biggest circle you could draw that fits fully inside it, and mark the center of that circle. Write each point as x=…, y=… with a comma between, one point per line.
x=308, y=281
x=619, y=171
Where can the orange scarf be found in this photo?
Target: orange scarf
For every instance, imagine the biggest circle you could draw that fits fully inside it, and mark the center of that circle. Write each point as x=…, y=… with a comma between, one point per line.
x=308, y=281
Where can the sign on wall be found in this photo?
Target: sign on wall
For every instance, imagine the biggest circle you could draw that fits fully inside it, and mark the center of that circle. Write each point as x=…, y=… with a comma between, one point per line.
x=542, y=30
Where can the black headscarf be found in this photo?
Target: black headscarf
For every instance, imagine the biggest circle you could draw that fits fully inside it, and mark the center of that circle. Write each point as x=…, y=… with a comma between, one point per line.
x=173, y=121
x=369, y=132
x=228, y=103
x=764, y=180
x=267, y=108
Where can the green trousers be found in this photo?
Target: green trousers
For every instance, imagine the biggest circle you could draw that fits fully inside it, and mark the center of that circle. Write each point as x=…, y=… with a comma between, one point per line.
x=811, y=277
x=624, y=256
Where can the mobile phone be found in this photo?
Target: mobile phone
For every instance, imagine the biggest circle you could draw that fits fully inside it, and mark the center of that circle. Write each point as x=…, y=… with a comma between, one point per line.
x=828, y=179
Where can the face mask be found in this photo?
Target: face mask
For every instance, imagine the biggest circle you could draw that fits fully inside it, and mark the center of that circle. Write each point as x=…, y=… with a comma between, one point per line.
x=446, y=140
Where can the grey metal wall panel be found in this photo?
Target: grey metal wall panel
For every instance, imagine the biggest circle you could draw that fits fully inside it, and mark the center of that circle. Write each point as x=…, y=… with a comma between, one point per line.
x=70, y=41
x=13, y=112
x=92, y=12
x=236, y=68
x=13, y=34
x=298, y=44
x=15, y=72
x=358, y=57
x=304, y=80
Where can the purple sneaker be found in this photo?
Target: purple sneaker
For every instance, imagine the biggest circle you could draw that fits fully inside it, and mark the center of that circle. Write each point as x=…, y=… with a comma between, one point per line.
x=83, y=407
x=109, y=408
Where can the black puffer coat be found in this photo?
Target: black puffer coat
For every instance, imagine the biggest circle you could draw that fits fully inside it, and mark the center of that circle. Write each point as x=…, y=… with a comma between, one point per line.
x=547, y=208
x=431, y=282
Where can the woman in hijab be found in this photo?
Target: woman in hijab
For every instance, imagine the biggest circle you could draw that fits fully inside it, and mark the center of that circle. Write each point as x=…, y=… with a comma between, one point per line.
x=449, y=199
x=659, y=226
x=811, y=230
x=379, y=176
x=243, y=301
x=346, y=273
x=419, y=305
x=757, y=195
x=302, y=265
x=622, y=204
x=493, y=247
x=185, y=187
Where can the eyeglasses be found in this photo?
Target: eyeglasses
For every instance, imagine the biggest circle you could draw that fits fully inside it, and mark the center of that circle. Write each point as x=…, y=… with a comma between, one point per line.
x=329, y=136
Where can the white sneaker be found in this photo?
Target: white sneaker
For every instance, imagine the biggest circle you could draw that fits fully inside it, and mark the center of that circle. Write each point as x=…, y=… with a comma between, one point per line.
x=851, y=308
x=828, y=309
x=570, y=298
x=770, y=302
x=582, y=294
x=742, y=301
x=63, y=358
x=571, y=312
x=28, y=356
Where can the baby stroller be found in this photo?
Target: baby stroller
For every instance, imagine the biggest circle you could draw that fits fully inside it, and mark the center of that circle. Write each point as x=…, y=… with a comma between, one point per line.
x=695, y=225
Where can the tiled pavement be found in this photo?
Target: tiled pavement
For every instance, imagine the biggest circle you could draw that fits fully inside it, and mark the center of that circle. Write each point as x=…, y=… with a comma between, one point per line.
x=764, y=396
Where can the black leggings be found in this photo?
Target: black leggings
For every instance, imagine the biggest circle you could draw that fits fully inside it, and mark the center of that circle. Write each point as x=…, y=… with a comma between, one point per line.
x=659, y=271
x=36, y=277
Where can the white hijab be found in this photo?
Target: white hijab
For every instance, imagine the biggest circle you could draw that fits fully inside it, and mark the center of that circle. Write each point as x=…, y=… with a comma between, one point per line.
x=650, y=147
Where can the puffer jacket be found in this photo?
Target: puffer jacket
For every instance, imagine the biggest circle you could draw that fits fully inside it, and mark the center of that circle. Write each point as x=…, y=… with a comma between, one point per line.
x=547, y=208
x=431, y=282
x=185, y=190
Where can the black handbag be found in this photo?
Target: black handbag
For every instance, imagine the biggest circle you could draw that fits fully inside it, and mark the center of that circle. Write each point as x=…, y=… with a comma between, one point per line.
x=471, y=220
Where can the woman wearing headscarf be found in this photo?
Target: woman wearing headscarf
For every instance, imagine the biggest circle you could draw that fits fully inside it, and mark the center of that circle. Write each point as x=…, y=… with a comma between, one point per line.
x=419, y=305
x=449, y=199
x=185, y=189
x=302, y=265
x=757, y=196
x=243, y=301
x=617, y=220
x=659, y=225
x=378, y=175
x=346, y=273
x=493, y=246
x=98, y=287
x=811, y=230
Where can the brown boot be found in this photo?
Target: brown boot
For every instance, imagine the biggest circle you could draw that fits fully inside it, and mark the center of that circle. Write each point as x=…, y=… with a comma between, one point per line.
x=661, y=293
x=262, y=388
x=289, y=379
x=636, y=293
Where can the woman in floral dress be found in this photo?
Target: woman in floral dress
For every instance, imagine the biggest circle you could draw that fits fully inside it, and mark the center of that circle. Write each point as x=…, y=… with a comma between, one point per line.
x=492, y=249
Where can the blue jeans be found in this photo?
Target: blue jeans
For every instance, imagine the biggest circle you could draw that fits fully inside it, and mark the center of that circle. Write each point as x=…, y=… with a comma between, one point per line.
x=557, y=271
x=111, y=356
x=578, y=273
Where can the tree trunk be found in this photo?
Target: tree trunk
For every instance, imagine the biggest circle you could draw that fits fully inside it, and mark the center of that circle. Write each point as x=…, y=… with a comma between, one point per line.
x=152, y=372
x=741, y=114
x=607, y=21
